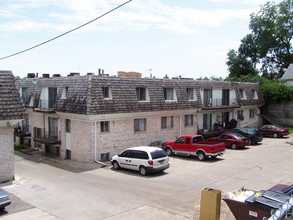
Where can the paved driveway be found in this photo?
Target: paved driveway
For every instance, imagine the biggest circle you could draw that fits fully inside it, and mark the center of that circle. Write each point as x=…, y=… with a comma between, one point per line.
x=56, y=192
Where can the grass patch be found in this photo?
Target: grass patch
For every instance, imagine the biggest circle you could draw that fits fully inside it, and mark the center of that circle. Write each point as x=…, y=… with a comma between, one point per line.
x=291, y=131
x=19, y=148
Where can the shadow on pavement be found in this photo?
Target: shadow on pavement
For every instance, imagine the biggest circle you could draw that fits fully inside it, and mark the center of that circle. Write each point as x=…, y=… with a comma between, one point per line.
x=52, y=160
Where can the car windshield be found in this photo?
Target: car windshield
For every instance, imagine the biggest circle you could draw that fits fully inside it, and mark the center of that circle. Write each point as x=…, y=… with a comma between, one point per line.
x=278, y=127
x=158, y=154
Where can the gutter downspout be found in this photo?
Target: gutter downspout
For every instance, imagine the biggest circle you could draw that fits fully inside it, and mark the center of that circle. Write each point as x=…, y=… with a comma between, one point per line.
x=180, y=125
x=99, y=162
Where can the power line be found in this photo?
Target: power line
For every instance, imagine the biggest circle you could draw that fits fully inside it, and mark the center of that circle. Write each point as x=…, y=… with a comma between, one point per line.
x=74, y=29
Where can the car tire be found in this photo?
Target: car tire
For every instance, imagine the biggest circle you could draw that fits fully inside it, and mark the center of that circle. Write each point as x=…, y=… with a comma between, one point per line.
x=143, y=170
x=234, y=146
x=169, y=151
x=116, y=165
x=275, y=135
x=201, y=156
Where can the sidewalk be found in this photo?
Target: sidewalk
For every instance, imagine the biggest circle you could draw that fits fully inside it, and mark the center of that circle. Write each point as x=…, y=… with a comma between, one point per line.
x=52, y=160
x=30, y=214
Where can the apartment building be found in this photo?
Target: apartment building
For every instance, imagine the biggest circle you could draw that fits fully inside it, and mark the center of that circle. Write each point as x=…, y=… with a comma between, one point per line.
x=93, y=117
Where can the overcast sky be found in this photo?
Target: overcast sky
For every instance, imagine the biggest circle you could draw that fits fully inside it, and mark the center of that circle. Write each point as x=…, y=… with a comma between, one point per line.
x=174, y=37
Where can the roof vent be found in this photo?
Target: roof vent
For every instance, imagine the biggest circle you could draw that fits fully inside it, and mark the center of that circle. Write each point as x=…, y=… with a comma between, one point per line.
x=31, y=75
x=46, y=75
x=74, y=74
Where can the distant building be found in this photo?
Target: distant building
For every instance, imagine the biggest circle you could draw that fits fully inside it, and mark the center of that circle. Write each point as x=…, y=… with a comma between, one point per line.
x=288, y=75
x=93, y=117
x=11, y=113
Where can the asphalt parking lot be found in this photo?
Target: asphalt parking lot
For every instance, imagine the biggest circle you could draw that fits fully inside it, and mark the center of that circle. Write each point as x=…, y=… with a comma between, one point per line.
x=48, y=188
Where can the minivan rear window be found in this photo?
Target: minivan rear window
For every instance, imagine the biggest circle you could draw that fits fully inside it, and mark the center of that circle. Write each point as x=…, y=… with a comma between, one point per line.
x=158, y=154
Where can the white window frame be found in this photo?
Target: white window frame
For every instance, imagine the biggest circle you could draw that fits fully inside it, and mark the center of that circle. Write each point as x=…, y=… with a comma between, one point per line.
x=243, y=96
x=193, y=94
x=167, y=122
x=140, y=125
x=109, y=91
x=146, y=93
x=188, y=120
x=170, y=94
x=104, y=126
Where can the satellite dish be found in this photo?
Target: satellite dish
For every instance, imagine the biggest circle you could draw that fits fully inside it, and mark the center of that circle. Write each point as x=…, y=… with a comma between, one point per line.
x=241, y=117
x=232, y=124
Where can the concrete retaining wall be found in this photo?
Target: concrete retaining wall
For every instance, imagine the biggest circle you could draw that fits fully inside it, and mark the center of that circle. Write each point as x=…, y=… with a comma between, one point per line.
x=280, y=113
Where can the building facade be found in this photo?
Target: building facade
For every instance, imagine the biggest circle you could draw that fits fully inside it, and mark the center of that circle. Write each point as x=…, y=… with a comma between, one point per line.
x=11, y=113
x=91, y=117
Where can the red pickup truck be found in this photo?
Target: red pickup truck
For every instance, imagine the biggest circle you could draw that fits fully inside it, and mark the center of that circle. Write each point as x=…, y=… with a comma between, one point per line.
x=194, y=145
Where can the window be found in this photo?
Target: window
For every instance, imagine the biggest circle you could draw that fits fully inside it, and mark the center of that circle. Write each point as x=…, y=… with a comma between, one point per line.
x=169, y=94
x=52, y=97
x=254, y=95
x=106, y=92
x=240, y=115
x=68, y=125
x=190, y=94
x=207, y=121
x=53, y=128
x=24, y=94
x=242, y=94
x=251, y=113
x=139, y=125
x=104, y=126
x=105, y=157
x=167, y=122
x=64, y=93
x=142, y=94
x=188, y=120
x=180, y=141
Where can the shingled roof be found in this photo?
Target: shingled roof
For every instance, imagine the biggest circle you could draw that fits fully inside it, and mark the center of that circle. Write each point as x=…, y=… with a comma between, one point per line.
x=11, y=107
x=85, y=96
x=288, y=75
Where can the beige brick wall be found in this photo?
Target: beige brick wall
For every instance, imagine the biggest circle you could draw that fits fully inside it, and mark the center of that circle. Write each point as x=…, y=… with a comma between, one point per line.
x=82, y=140
x=6, y=155
x=122, y=135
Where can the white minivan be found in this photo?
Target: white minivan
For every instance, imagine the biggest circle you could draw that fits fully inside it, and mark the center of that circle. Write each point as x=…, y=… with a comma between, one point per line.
x=144, y=159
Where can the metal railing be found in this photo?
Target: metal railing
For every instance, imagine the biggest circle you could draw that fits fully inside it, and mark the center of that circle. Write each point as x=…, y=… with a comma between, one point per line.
x=208, y=102
x=46, y=104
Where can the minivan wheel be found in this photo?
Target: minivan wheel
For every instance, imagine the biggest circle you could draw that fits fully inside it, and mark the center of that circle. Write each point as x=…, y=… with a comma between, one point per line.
x=233, y=146
x=169, y=152
x=143, y=171
x=116, y=165
x=201, y=156
x=275, y=135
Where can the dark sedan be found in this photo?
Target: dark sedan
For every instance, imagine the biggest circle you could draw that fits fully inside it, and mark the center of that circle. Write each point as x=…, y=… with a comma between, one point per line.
x=233, y=140
x=4, y=199
x=274, y=131
x=254, y=134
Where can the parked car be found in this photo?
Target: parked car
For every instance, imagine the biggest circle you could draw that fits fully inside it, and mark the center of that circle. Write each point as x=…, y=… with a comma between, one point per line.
x=254, y=134
x=233, y=140
x=194, y=145
x=144, y=159
x=274, y=131
x=4, y=199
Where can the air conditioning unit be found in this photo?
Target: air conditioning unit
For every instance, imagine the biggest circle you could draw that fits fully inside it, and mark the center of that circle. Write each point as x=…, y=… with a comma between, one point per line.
x=257, y=111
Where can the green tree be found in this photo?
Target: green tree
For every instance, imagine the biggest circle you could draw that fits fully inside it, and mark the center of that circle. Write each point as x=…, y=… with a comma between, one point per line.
x=269, y=45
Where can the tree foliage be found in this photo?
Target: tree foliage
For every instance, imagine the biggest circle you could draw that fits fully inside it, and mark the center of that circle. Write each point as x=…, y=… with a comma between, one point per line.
x=275, y=92
x=268, y=48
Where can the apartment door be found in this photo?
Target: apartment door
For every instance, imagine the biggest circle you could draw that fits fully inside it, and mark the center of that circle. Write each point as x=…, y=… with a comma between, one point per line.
x=208, y=97
x=52, y=95
x=226, y=97
x=207, y=121
x=225, y=118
